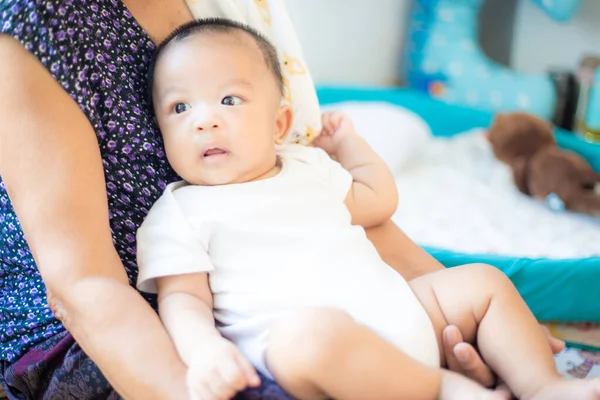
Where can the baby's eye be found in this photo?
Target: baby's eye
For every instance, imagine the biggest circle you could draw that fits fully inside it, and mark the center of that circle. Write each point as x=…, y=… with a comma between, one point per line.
x=231, y=101
x=181, y=107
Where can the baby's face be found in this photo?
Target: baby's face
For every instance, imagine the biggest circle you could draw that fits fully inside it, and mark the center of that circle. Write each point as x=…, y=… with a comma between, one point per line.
x=218, y=106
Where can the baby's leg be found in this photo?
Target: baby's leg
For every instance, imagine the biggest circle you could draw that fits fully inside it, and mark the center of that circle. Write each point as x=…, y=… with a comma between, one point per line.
x=482, y=302
x=323, y=353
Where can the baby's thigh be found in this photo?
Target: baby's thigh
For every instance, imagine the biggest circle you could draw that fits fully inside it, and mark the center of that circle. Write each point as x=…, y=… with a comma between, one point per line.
x=458, y=296
x=301, y=344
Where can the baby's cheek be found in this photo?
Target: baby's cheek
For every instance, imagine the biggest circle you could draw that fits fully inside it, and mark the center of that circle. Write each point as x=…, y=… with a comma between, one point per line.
x=179, y=155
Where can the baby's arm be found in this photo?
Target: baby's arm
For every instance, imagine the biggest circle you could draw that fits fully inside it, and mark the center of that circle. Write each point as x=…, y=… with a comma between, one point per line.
x=185, y=308
x=373, y=197
x=215, y=365
x=173, y=260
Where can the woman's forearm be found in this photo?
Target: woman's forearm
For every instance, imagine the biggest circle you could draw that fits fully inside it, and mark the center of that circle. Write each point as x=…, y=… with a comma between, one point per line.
x=400, y=252
x=121, y=333
x=61, y=203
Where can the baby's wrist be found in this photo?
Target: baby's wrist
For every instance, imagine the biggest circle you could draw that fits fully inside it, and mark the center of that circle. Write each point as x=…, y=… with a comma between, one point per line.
x=203, y=343
x=348, y=143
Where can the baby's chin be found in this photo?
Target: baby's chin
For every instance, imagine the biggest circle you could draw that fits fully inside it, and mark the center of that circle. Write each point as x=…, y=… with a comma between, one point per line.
x=224, y=179
x=216, y=178
x=212, y=181
x=225, y=176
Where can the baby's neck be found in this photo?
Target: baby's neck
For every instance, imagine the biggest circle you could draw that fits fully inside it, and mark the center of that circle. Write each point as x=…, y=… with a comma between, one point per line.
x=270, y=173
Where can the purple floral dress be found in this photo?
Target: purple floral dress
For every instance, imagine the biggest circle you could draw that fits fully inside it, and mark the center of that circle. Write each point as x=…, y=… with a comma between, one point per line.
x=99, y=54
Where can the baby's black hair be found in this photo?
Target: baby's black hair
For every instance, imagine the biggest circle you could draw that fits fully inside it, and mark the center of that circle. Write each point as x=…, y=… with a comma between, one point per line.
x=216, y=25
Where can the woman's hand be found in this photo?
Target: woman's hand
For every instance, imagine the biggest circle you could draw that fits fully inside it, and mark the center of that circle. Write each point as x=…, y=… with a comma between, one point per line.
x=463, y=358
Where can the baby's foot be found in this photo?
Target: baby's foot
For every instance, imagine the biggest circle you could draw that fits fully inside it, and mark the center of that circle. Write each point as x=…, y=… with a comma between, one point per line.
x=574, y=389
x=457, y=387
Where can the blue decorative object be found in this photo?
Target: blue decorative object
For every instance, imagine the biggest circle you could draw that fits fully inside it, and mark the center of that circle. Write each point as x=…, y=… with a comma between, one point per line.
x=444, y=59
x=592, y=121
x=555, y=203
x=559, y=10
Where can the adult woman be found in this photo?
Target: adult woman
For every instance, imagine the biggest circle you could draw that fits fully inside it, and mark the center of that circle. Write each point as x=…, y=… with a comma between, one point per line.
x=82, y=162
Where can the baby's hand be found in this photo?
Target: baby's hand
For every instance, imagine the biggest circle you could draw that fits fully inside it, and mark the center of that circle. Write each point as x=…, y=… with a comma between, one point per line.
x=219, y=372
x=337, y=127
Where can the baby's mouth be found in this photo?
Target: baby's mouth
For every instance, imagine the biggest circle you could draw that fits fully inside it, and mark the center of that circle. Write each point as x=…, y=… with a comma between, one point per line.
x=214, y=152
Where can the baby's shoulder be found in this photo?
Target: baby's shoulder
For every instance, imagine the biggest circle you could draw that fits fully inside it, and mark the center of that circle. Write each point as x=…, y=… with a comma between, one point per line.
x=166, y=202
x=303, y=154
x=193, y=200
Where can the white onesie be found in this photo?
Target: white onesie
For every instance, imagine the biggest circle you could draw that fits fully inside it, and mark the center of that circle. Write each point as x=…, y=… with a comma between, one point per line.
x=277, y=245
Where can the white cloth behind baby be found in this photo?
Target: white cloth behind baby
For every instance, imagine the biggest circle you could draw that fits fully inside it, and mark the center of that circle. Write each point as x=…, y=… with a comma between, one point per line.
x=271, y=19
x=396, y=134
x=454, y=194
x=457, y=196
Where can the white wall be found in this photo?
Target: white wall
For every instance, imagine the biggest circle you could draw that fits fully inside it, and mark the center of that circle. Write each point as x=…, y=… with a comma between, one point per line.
x=358, y=41
x=351, y=40
x=540, y=42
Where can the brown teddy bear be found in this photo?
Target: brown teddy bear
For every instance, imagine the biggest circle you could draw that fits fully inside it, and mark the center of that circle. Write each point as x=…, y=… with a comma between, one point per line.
x=540, y=168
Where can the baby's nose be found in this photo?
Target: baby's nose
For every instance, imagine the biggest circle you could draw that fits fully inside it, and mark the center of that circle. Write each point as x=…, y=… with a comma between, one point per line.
x=202, y=127
x=206, y=120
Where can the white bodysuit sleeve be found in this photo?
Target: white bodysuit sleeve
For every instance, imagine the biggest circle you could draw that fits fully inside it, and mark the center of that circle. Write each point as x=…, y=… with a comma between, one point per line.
x=168, y=245
x=339, y=178
x=325, y=168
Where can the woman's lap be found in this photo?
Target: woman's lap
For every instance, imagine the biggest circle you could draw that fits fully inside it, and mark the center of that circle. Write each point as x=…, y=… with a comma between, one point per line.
x=58, y=369
x=55, y=369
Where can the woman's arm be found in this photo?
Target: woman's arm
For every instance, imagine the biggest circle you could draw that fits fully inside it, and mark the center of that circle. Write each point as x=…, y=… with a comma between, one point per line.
x=51, y=166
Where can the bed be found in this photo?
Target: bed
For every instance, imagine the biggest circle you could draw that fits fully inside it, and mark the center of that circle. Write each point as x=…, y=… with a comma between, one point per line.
x=556, y=289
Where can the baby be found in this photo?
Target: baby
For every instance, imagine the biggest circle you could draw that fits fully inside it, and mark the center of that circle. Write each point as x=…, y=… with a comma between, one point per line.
x=265, y=238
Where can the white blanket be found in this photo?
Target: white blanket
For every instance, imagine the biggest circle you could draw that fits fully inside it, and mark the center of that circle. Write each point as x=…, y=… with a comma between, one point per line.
x=454, y=194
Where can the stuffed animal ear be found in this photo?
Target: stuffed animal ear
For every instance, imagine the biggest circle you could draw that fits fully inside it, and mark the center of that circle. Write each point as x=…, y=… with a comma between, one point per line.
x=521, y=174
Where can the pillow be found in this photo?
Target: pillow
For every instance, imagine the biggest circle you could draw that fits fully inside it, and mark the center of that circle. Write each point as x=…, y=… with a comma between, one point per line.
x=271, y=19
x=395, y=133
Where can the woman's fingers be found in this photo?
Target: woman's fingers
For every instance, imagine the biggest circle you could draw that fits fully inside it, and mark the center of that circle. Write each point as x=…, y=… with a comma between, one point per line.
x=473, y=366
x=556, y=345
x=461, y=357
x=451, y=336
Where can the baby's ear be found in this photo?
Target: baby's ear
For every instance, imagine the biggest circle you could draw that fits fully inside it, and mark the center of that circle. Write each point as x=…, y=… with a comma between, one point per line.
x=283, y=123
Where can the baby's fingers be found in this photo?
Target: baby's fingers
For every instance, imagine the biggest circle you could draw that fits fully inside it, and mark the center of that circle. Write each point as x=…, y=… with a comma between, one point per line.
x=331, y=121
x=203, y=391
x=248, y=370
x=232, y=377
x=326, y=124
x=337, y=118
